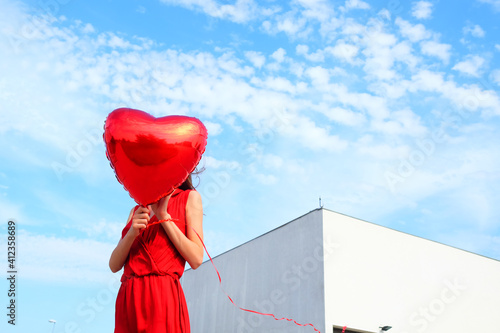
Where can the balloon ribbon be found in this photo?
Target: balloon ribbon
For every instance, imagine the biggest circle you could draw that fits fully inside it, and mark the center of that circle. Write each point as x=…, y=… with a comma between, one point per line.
x=220, y=283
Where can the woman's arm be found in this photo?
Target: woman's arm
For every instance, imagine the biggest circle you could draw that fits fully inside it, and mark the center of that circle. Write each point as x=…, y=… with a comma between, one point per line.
x=190, y=247
x=140, y=221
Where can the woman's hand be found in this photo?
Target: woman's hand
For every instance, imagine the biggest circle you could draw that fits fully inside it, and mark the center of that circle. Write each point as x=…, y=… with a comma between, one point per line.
x=140, y=221
x=159, y=208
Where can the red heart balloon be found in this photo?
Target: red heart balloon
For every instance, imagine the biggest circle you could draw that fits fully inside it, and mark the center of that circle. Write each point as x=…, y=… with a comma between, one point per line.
x=152, y=156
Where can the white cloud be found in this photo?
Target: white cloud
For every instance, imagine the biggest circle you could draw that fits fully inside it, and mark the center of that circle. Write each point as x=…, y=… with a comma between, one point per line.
x=290, y=23
x=117, y=42
x=422, y=9
x=240, y=11
x=466, y=180
x=467, y=97
x=497, y=46
x=375, y=106
x=73, y=214
x=202, y=83
x=267, y=162
x=101, y=228
x=403, y=53
x=344, y=51
x=345, y=116
x=320, y=10
x=271, y=161
x=303, y=50
x=351, y=27
x=256, y=58
x=160, y=82
x=64, y=260
x=474, y=30
x=403, y=122
x=227, y=62
x=319, y=76
x=141, y=9
x=88, y=29
x=213, y=129
x=265, y=179
x=300, y=20
x=379, y=54
x=462, y=178
x=341, y=50
x=279, y=55
x=439, y=50
x=380, y=151
x=356, y=4
x=314, y=137
x=240, y=92
x=495, y=76
x=12, y=211
x=392, y=90
x=211, y=162
x=414, y=33
x=46, y=65
x=494, y=3
x=279, y=84
x=471, y=66
x=384, y=14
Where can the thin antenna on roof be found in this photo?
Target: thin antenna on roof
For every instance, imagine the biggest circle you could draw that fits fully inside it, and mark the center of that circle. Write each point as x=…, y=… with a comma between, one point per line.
x=320, y=205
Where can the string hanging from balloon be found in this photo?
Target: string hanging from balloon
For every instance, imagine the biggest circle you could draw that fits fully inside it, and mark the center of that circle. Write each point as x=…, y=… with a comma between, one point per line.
x=229, y=297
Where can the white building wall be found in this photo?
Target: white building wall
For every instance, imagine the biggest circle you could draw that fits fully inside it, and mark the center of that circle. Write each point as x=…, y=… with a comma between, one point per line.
x=378, y=276
x=280, y=272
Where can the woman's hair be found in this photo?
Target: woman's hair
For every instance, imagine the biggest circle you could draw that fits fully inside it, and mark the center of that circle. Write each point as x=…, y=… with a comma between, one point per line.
x=188, y=183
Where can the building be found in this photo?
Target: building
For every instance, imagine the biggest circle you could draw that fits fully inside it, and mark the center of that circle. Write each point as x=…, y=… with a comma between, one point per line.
x=332, y=270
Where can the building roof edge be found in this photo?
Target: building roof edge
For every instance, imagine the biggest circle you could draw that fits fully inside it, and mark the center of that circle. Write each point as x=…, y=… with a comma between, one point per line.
x=406, y=233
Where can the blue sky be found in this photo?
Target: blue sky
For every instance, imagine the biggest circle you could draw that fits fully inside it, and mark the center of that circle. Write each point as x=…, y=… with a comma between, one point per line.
x=388, y=111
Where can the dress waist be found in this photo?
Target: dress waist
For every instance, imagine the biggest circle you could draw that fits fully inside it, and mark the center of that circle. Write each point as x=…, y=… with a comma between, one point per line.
x=125, y=277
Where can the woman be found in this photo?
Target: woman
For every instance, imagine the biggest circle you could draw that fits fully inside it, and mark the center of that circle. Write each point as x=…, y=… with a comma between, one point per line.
x=150, y=298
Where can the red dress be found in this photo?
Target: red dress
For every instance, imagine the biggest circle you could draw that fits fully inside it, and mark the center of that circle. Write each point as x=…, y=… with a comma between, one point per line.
x=150, y=298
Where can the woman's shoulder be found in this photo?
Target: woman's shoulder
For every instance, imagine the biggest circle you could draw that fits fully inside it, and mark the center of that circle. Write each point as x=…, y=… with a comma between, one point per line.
x=193, y=197
x=188, y=197
x=190, y=194
x=194, y=194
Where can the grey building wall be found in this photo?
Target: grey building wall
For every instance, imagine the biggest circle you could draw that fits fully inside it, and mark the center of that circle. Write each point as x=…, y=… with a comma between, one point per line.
x=280, y=272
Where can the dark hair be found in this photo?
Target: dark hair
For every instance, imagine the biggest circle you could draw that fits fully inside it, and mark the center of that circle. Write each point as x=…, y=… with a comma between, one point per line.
x=188, y=183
